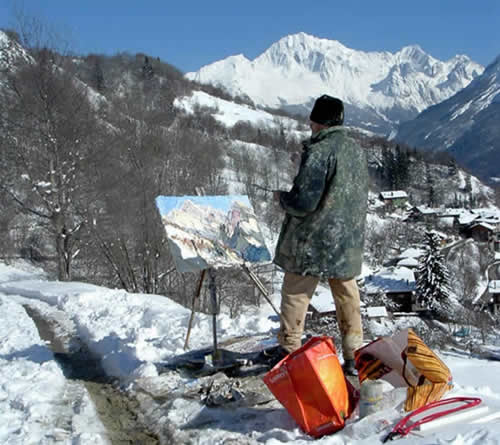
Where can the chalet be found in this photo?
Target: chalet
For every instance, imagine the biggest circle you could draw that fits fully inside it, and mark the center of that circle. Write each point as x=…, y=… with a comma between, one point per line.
x=394, y=199
x=422, y=213
x=449, y=217
x=480, y=231
x=397, y=283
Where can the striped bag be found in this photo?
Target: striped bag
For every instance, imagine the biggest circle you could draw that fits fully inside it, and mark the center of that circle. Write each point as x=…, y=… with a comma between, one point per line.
x=405, y=360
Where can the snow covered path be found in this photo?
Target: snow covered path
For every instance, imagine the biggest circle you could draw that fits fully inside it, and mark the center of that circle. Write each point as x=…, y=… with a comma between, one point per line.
x=132, y=335
x=37, y=404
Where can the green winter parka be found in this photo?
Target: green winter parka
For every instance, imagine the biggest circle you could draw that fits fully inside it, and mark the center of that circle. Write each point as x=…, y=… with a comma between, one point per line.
x=324, y=226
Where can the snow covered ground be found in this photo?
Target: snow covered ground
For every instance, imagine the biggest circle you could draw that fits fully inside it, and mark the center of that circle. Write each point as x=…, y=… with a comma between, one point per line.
x=229, y=113
x=134, y=333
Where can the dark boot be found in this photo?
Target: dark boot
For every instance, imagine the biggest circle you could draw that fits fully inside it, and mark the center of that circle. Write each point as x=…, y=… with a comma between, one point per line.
x=272, y=356
x=349, y=367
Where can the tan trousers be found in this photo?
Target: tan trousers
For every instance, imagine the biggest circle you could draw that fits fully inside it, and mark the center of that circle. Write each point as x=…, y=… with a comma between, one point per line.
x=296, y=294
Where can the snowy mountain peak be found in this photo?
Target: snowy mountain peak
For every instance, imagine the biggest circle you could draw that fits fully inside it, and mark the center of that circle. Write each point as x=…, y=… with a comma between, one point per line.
x=302, y=40
x=413, y=52
x=295, y=70
x=298, y=51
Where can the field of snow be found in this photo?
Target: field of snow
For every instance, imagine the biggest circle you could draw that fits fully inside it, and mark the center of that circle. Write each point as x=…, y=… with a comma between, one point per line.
x=133, y=333
x=229, y=113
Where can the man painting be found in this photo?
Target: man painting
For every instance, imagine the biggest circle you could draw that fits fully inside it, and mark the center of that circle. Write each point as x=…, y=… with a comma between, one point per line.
x=322, y=235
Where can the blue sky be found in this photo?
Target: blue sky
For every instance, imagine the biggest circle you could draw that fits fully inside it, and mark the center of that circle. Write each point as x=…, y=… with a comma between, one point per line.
x=190, y=34
x=167, y=203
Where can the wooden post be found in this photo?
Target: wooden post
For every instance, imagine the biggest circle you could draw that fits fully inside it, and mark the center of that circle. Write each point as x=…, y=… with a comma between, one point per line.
x=260, y=286
x=195, y=298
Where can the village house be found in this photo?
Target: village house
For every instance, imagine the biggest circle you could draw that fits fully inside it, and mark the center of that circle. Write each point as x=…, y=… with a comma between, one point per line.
x=394, y=199
x=422, y=213
x=480, y=232
x=481, y=224
x=449, y=217
x=397, y=283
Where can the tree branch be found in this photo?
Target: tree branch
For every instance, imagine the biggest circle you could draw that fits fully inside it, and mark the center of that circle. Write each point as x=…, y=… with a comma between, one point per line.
x=22, y=204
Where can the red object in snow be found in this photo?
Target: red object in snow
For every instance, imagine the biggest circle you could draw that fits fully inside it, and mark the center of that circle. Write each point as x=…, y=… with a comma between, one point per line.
x=312, y=387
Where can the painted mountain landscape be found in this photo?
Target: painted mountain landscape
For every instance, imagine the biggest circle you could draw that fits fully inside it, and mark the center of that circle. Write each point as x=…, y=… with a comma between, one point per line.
x=212, y=231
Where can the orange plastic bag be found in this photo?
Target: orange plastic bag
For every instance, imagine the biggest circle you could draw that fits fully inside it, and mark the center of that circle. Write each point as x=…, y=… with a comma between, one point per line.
x=312, y=387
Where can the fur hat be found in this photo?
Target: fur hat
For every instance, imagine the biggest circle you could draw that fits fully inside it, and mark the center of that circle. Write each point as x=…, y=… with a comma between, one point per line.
x=328, y=111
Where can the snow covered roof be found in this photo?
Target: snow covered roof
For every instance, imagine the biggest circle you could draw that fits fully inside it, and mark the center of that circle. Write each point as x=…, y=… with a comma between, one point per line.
x=485, y=225
x=467, y=217
x=426, y=210
x=408, y=262
x=391, y=280
x=450, y=212
x=412, y=252
x=494, y=287
x=493, y=220
x=376, y=311
x=488, y=212
x=394, y=194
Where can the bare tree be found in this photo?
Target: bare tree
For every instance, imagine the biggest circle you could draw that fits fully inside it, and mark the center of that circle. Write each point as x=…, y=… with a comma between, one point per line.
x=148, y=160
x=49, y=125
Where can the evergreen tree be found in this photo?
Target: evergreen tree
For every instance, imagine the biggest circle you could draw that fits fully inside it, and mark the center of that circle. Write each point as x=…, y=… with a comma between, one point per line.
x=98, y=76
x=431, y=193
x=147, y=69
x=389, y=167
x=433, y=278
x=401, y=168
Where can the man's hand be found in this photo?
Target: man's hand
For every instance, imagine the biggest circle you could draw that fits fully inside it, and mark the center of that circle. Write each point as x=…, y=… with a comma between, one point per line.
x=295, y=156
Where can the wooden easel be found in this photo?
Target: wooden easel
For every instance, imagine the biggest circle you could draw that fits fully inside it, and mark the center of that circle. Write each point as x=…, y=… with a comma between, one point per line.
x=213, y=297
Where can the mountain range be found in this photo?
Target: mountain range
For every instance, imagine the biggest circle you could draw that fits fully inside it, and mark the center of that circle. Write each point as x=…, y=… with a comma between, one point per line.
x=380, y=89
x=450, y=106
x=467, y=125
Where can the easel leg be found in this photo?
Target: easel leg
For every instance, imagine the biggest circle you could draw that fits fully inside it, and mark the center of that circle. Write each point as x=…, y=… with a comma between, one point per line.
x=260, y=286
x=195, y=298
x=213, y=295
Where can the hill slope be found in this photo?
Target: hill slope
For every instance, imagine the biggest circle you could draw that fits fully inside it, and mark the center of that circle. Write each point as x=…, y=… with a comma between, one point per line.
x=466, y=125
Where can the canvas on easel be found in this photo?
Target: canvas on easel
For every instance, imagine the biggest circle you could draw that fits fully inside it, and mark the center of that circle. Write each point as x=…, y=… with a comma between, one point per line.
x=211, y=231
